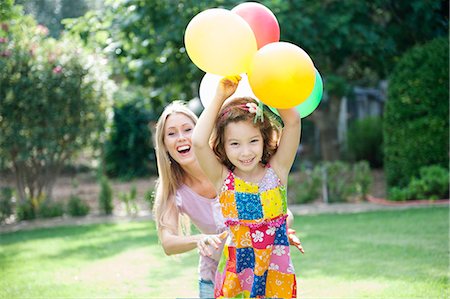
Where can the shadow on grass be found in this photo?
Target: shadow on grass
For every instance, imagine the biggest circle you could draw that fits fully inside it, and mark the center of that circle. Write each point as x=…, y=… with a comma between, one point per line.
x=89, y=242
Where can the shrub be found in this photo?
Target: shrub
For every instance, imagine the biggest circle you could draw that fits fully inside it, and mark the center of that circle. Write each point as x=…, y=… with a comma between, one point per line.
x=416, y=123
x=50, y=209
x=431, y=183
x=77, y=207
x=308, y=188
x=364, y=141
x=6, y=203
x=105, y=196
x=129, y=147
x=149, y=197
x=129, y=199
x=344, y=182
x=25, y=210
x=53, y=97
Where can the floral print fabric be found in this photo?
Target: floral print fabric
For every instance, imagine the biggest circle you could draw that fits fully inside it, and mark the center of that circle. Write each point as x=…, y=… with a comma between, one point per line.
x=256, y=260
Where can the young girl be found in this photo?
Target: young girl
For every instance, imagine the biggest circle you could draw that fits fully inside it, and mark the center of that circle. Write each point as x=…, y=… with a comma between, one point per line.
x=248, y=164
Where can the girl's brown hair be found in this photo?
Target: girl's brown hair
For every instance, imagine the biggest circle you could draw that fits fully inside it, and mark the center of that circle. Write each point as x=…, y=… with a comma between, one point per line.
x=236, y=111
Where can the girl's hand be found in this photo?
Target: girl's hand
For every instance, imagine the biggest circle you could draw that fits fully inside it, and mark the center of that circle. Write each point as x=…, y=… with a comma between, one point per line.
x=209, y=242
x=227, y=86
x=294, y=240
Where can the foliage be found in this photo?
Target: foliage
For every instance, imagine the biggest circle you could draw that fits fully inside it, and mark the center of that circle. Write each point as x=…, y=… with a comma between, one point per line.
x=432, y=183
x=25, y=210
x=308, y=188
x=77, y=207
x=129, y=200
x=50, y=12
x=53, y=97
x=50, y=208
x=128, y=149
x=344, y=182
x=355, y=43
x=365, y=141
x=6, y=203
x=149, y=198
x=105, y=199
x=416, y=124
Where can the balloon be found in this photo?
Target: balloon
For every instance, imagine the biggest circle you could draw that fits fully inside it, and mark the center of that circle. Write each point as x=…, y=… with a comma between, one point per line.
x=312, y=102
x=282, y=75
x=262, y=21
x=208, y=87
x=220, y=42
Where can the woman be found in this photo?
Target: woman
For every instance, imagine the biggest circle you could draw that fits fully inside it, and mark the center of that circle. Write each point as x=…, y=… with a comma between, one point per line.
x=184, y=190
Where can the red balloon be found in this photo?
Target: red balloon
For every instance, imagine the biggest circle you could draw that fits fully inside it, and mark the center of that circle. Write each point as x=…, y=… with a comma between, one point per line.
x=262, y=21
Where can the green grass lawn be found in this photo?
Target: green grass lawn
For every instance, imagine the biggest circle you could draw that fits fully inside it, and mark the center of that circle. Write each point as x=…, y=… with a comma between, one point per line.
x=386, y=254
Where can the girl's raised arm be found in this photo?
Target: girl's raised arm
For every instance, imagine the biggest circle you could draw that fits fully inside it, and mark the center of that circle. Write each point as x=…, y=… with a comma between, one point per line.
x=290, y=138
x=212, y=167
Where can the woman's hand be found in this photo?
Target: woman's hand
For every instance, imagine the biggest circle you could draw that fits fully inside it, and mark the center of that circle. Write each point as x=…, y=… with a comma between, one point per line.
x=227, y=86
x=294, y=240
x=209, y=242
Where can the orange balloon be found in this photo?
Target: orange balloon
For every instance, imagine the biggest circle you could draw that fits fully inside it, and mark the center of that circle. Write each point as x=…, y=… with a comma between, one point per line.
x=220, y=42
x=282, y=75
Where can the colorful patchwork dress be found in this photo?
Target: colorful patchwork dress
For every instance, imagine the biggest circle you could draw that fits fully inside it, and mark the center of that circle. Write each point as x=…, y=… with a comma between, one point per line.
x=256, y=261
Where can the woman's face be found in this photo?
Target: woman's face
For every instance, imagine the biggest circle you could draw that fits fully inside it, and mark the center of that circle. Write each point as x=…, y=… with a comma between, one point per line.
x=177, y=138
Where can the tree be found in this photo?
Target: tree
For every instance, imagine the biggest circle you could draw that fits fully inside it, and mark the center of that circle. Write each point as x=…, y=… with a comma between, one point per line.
x=356, y=43
x=352, y=42
x=416, y=126
x=53, y=98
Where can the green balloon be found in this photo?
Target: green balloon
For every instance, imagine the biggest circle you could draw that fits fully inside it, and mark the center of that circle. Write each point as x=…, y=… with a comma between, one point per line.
x=312, y=102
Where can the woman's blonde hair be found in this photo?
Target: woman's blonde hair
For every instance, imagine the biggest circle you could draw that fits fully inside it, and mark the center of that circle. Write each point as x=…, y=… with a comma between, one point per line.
x=170, y=172
x=235, y=111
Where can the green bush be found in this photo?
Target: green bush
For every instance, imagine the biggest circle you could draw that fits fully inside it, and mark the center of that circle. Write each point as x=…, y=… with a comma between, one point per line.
x=308, y=188
x=129, y=149
x=129, y=200
x=50, y=209
x=105, y=199
x=365, y=141
x=76, y=207
x=345, y=182
x=149, y=197
x=416, y=123
x=25, y=210
x=431, y=183
x=6, y=203
x=54, y=96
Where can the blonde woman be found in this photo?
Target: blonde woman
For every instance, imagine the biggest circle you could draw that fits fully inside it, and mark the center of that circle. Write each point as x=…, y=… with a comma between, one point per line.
x=184, y=190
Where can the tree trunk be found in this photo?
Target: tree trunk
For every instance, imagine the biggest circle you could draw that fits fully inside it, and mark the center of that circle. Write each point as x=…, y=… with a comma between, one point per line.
x=326, y=119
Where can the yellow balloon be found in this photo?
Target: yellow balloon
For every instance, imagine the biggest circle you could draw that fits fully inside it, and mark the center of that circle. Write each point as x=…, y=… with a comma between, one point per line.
x=282, y=75
x=220, y=42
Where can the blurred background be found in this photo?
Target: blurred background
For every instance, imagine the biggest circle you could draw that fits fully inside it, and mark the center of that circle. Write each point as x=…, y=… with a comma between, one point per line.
x=83, y=82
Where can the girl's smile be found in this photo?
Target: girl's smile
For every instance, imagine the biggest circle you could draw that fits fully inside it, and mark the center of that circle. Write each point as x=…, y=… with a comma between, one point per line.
x=244, y=147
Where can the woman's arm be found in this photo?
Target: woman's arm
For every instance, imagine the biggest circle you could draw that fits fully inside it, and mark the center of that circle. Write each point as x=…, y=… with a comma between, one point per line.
x=289, y=142
x=212, y=167
x=173, y=243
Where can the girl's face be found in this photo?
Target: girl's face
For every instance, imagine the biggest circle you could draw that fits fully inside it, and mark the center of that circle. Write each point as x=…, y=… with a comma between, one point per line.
x=177, y=138
x=243, y=146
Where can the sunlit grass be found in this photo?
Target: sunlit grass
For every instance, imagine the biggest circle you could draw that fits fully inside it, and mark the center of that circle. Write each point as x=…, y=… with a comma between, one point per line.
x=388, y=254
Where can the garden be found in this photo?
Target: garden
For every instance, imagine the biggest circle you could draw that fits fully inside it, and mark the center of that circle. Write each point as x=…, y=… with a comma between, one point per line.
x=81, y=89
